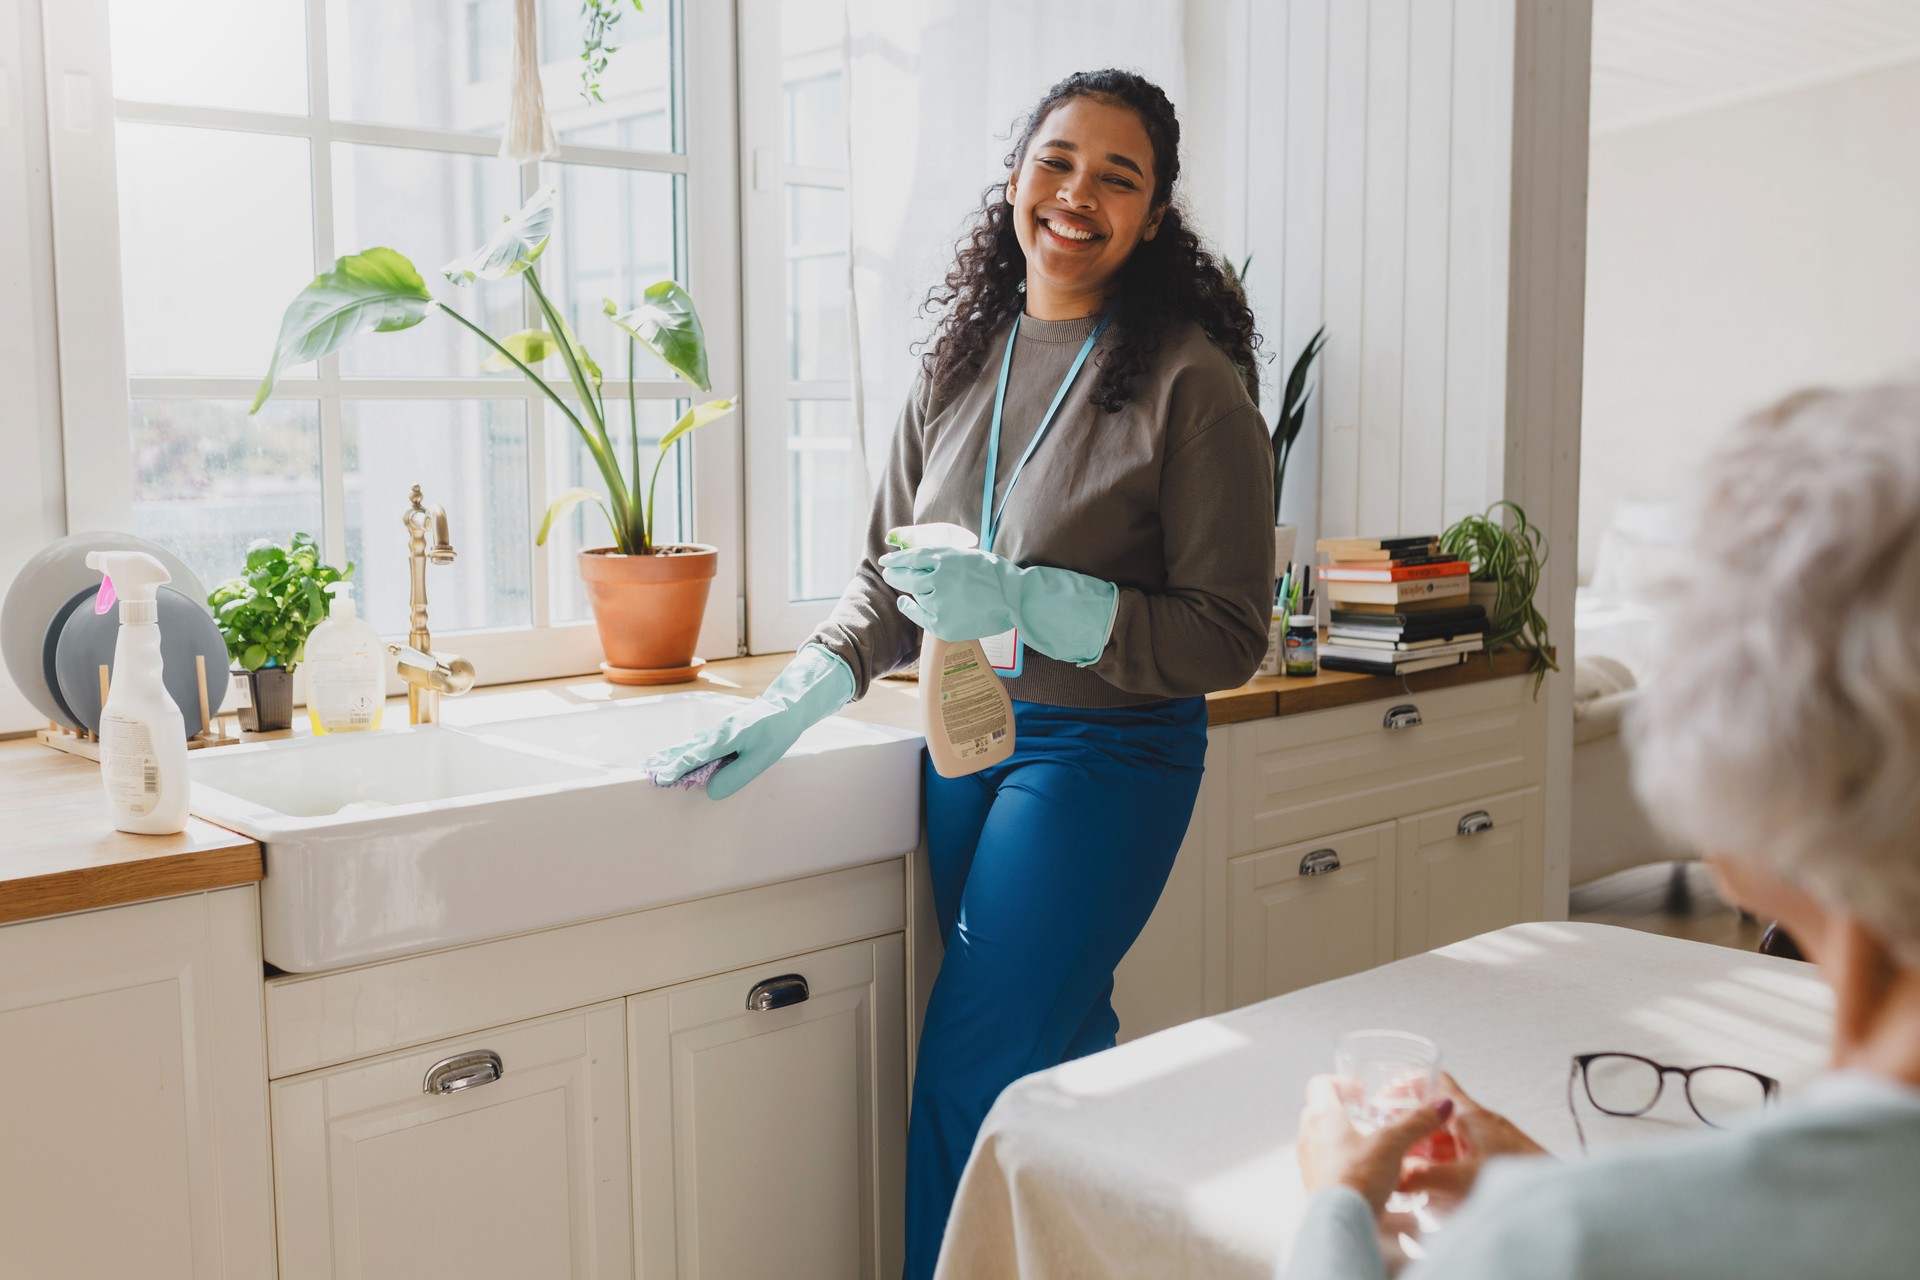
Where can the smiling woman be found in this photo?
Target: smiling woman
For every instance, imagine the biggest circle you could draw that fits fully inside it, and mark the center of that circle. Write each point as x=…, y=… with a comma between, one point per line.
x=1089, y=343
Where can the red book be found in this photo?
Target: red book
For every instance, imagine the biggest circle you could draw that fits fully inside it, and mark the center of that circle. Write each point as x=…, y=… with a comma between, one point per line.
x=1396, y=573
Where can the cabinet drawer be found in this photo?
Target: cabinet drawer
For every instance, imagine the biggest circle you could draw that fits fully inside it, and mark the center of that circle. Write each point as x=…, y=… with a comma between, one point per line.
x=526, y=1174
x=1288, y=929
x=1468, y=869
x=1296, y=776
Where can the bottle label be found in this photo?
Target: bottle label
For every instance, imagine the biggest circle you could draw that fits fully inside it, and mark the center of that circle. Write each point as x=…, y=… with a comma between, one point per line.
x=338, y=693
x=130, y=767
x=971, y=714
x=1302, y=651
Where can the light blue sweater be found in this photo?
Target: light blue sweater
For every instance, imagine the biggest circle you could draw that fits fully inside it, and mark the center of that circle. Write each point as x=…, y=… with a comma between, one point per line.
x=1827, y=1188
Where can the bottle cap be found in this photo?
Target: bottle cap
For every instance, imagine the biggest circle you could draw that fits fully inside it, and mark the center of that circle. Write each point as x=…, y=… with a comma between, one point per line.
x=1302, y=620
x=342, y=593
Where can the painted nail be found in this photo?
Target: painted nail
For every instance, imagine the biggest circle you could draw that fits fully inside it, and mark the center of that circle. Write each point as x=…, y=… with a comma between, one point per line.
x=1443, y=1109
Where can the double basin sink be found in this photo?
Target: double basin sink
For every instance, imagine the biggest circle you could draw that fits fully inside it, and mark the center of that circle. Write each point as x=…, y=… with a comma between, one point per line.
x=384, y=844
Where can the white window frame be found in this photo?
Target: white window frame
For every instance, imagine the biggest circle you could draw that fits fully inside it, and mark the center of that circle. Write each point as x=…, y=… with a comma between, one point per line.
x=96, y=393
x=775, y=622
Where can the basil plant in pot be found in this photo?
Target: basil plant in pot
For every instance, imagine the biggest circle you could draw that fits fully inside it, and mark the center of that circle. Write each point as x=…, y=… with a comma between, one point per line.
x=265, y=615
x=648, y=597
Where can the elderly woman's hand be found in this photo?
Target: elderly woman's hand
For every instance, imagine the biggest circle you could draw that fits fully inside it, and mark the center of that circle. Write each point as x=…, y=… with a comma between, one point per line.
x=1333, y=1153
x=1478, y=1135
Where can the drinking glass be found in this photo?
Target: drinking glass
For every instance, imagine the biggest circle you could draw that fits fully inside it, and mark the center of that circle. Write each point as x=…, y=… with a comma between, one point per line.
x=1386, y=1074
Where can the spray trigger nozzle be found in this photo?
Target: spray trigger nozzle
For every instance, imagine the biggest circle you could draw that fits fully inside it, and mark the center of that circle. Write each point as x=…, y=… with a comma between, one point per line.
x=104, y=601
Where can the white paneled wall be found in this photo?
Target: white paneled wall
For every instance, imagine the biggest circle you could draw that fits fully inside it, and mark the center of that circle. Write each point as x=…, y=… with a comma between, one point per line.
x=1415, y=179
x=1378, y=192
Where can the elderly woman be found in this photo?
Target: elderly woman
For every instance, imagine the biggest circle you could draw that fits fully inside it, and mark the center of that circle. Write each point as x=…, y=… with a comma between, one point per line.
x=1782, y=737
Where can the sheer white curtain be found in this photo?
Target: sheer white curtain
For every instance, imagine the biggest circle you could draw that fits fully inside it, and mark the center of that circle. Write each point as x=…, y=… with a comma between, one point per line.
x=935, y=90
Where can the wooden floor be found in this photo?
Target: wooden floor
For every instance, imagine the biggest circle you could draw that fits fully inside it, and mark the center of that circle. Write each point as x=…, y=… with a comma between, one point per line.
x=1674, y=898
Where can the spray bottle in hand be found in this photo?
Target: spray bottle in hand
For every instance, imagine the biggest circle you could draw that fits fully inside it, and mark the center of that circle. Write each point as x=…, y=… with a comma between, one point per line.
x=966, y=713
x=143, y=737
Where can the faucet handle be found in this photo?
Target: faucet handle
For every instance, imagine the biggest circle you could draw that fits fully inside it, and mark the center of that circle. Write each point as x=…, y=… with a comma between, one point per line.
x=447, y=673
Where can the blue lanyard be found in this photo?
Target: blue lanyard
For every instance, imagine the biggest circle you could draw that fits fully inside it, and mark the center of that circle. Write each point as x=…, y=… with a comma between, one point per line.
x=989, y=518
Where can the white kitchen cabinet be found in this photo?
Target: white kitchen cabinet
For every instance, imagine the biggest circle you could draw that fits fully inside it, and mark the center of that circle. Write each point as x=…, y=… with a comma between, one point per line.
x=500, y=1153
x=769, y=1143
x=133, y=1107
x=1469, y=868
x=1384, y=784
x=1309, y=913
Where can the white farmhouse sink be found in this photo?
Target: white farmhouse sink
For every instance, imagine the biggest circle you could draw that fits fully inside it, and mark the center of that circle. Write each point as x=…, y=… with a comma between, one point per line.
x=379, y=845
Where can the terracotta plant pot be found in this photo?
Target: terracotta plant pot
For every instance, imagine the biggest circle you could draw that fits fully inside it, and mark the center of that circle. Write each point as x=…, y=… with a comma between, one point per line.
x=648, y=608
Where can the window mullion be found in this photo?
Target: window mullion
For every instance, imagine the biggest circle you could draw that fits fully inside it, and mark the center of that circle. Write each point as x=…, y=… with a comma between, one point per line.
x=333, y=479
x=540, y=579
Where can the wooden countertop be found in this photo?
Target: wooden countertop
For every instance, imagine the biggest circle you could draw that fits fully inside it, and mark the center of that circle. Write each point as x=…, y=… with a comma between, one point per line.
x=61, y=853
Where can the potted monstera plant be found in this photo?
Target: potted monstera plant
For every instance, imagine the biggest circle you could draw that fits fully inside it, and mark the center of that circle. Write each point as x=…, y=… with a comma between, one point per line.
x=647, y=596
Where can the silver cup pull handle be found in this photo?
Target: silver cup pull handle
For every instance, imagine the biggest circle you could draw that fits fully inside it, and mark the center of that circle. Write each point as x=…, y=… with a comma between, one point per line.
x=1402, y=716
x=1476, y=822
x=778, y=993
x=1320, y=862
x=464, y=1071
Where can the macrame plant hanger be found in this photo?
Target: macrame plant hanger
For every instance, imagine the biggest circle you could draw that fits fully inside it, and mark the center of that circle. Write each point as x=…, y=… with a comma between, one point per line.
x=528, y=134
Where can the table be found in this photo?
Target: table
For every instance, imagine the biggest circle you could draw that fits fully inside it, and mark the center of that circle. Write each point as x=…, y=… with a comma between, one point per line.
x=1173, y=1155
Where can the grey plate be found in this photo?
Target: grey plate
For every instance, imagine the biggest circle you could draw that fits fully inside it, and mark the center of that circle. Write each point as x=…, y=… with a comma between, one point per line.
x=49, y=580
x=86, y=644
x=50, y=648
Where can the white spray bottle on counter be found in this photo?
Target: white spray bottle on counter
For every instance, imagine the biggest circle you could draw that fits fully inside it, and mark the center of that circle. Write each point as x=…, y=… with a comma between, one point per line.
x=143, y=738
x=965, y=710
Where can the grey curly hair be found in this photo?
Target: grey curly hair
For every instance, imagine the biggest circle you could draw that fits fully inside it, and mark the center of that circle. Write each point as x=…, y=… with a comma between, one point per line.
x=1782, y=724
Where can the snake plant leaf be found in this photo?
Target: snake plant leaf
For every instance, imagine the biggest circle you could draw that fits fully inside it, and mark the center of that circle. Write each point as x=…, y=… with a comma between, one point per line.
x=515, y=244
x=377, y=289
x=529, y=347
x=666, y=324
x=565, y=503
x=1293, y=402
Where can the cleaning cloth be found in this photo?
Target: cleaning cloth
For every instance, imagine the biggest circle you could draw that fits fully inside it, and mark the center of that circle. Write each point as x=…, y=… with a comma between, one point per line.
x=697, y=779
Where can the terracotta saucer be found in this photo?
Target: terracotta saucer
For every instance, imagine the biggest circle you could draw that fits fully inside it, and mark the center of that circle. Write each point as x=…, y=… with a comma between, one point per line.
x=652, y=675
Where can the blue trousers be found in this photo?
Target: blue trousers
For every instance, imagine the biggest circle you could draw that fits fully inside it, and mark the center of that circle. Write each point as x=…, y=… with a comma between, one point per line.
x=1045, y=869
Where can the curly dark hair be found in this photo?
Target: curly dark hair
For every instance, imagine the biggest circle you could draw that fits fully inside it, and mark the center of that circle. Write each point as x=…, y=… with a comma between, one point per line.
x=1167, y=278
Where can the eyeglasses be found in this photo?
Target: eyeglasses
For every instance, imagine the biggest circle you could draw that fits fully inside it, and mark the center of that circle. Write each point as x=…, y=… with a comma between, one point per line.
x=1626, y=1084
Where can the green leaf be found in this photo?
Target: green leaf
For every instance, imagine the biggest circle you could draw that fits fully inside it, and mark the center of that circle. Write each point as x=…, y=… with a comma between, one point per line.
x=666, y=323
x=574, y=345
x=529, y=346
x=254, y=657
x=565, y=503
x=1295, y=396
x=695, y=418
x=377, y=290
x=515, y=244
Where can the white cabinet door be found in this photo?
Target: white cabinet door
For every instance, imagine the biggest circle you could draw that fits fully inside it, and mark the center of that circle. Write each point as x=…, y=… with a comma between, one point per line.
x=133, y=1108
x=770, y=1144
x=424, y=1165
x=1309, y=913
x=1468, y=869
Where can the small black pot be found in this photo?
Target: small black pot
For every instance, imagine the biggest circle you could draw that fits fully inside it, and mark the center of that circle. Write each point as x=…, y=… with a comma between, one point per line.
x=269, y=699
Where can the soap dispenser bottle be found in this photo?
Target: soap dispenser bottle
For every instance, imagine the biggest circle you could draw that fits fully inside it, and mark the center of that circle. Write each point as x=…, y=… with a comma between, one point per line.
x=346, y=666
x=143, y=737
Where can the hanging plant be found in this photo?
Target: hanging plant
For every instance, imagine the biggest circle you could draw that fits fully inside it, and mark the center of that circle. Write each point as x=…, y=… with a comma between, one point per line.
x=1508, y=556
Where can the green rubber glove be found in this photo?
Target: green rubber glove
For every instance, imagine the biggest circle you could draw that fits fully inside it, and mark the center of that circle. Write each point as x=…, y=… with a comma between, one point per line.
x=960, y=593
x=814, y=686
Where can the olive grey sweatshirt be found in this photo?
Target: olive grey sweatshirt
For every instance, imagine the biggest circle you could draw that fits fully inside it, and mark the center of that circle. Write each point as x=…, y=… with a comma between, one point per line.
x=1170, y=499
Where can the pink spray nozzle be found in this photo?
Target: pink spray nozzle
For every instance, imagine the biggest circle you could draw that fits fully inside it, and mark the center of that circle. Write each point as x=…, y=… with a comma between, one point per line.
x=104, y=601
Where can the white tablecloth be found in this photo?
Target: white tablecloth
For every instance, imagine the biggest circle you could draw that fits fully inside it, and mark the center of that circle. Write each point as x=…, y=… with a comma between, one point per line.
x=1173, y=1155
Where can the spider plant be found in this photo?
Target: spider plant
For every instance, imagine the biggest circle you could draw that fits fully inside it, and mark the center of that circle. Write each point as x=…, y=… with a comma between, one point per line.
x=380, y=290
x=1507, y=551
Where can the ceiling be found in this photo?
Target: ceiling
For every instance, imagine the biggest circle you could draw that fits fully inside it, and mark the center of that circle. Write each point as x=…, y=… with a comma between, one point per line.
x=1653, y=59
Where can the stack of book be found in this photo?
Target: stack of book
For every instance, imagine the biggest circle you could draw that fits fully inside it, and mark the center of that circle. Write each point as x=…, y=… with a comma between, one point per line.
x=1399, y=606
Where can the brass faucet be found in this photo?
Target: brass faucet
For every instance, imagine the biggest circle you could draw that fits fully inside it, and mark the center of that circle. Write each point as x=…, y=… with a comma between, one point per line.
x=427, y=674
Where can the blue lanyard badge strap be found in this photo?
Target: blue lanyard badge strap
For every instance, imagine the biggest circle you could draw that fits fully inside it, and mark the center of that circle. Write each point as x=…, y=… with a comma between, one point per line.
x=989, y=518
